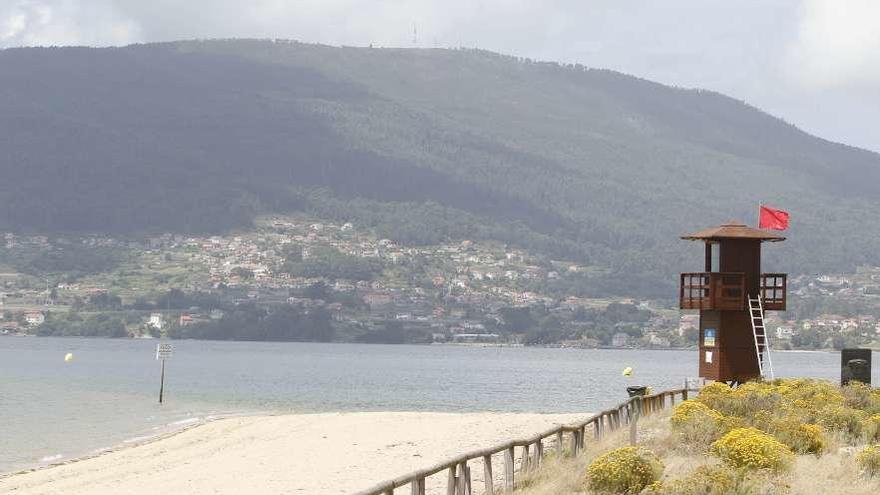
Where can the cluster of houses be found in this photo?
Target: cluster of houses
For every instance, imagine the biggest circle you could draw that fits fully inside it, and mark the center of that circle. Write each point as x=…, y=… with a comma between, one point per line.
x=462, y=284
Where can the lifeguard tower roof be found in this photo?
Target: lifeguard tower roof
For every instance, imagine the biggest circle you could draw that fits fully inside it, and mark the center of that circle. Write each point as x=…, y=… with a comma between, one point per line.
x=733, y=230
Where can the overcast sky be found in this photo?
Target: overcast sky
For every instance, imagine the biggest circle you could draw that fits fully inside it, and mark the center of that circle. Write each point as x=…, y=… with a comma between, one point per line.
x=815, y=63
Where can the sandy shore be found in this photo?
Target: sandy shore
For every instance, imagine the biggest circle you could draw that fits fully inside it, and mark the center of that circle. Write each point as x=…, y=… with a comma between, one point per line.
x=316, y=454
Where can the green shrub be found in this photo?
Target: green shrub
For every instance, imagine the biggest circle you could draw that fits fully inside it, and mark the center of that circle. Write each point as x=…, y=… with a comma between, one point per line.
x=627, y=470
x=752, y=448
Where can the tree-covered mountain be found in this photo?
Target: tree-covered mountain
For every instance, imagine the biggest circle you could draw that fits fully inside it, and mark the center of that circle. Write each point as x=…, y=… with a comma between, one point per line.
x=422, y=145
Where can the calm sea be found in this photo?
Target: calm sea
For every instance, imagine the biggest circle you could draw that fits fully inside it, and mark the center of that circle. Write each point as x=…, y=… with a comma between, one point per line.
x=51, y=410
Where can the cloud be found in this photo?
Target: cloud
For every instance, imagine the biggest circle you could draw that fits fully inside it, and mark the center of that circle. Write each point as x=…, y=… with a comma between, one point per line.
x=65, y=22
x=837, y=44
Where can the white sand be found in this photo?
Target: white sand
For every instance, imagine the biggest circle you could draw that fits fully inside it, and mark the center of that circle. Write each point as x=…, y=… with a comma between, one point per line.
x=315, y=454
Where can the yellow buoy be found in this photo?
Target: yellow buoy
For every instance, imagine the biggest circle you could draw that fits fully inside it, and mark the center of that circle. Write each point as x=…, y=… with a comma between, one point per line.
x=68, y=357
x=627, y=371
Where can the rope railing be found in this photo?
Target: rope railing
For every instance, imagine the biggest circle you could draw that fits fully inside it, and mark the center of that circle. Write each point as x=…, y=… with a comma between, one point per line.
x=458, y=471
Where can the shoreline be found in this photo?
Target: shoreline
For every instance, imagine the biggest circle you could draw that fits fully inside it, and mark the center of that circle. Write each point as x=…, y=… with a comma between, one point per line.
x=438, y=344
x=125, y=444
x=317, y=453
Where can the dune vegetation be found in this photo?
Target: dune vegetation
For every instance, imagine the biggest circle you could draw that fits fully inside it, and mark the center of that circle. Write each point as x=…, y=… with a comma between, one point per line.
x=795, y=436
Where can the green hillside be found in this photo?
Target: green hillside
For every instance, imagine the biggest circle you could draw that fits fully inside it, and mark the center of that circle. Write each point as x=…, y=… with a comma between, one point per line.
x=422, y=145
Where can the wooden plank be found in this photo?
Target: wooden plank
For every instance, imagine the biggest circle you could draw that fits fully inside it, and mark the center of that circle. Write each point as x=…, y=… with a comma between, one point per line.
x=633, y=427
x=462, y=474
x=451, y=480
x=488, y=478
x=509, y=481
x=467, y=480
x=417, y=487
x=559, y=444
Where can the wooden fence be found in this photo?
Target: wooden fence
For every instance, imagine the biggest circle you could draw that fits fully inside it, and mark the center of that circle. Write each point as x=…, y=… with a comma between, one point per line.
x=458, y=472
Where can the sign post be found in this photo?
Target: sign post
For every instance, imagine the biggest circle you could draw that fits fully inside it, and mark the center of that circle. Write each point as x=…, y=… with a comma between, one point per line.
x=163, y=352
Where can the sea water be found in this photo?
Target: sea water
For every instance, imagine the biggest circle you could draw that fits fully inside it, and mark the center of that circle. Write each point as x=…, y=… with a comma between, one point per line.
x=107, y=395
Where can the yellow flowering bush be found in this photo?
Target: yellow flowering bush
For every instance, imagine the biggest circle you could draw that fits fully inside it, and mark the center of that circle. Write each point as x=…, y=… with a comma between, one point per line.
x=705, y=480
x=872, y=428
x=627, y=470
x=800, y=437
x=696, y=423
x=715, y=395
x=874, y=406
x=857, y=395
x=811, y=394
x=729, y=423
x=752, y=448
x=843, y=419
x=751, y=398
x=689, y=409
x=868, y=460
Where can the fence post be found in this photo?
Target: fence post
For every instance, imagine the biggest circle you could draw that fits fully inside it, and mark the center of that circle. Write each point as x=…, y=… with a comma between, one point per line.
x=634, y=423
x=538, y=454
x=417, y=487
x=464, y=479
x=559, y=444
x=451, y=481
x=508, y=470
x=574, y=443
x=684, y=394
x=525, y=463
x=488, y=478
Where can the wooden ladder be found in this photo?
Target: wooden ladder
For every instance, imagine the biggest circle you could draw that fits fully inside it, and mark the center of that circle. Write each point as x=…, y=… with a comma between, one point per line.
x=762, y=343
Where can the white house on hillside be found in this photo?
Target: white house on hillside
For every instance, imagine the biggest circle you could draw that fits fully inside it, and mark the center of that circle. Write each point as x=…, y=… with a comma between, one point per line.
x=157, y=321
x=34, y=318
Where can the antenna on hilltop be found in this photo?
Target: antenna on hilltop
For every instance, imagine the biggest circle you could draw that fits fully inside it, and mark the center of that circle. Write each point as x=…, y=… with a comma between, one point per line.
x=415, y=35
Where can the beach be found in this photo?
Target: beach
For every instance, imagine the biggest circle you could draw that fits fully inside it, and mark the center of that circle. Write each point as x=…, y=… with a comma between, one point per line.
x=326, y=453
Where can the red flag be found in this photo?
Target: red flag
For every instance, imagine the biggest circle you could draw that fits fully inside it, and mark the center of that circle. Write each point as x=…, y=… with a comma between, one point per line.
x=771, y=218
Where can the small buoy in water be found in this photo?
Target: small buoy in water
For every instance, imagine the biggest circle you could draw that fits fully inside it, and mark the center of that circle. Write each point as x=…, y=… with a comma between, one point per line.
x=68, y=357
x=627, y=371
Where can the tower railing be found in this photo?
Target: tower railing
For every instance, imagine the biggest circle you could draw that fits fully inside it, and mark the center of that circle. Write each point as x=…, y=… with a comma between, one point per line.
x=726, y=291
x=713, y=291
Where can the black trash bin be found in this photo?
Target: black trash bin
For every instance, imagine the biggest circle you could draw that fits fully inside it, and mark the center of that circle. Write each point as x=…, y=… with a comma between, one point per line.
x=637, y=391
x=855, y=366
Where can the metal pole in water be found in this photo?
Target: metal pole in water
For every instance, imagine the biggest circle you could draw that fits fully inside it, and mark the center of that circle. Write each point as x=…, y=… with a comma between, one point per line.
x=162, y=381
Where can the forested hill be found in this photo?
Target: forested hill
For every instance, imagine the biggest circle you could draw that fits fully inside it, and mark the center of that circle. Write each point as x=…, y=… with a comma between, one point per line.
x=422, y=145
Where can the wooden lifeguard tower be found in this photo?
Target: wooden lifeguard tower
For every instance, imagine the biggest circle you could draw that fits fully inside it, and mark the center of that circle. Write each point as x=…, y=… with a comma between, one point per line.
x=732, y=295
